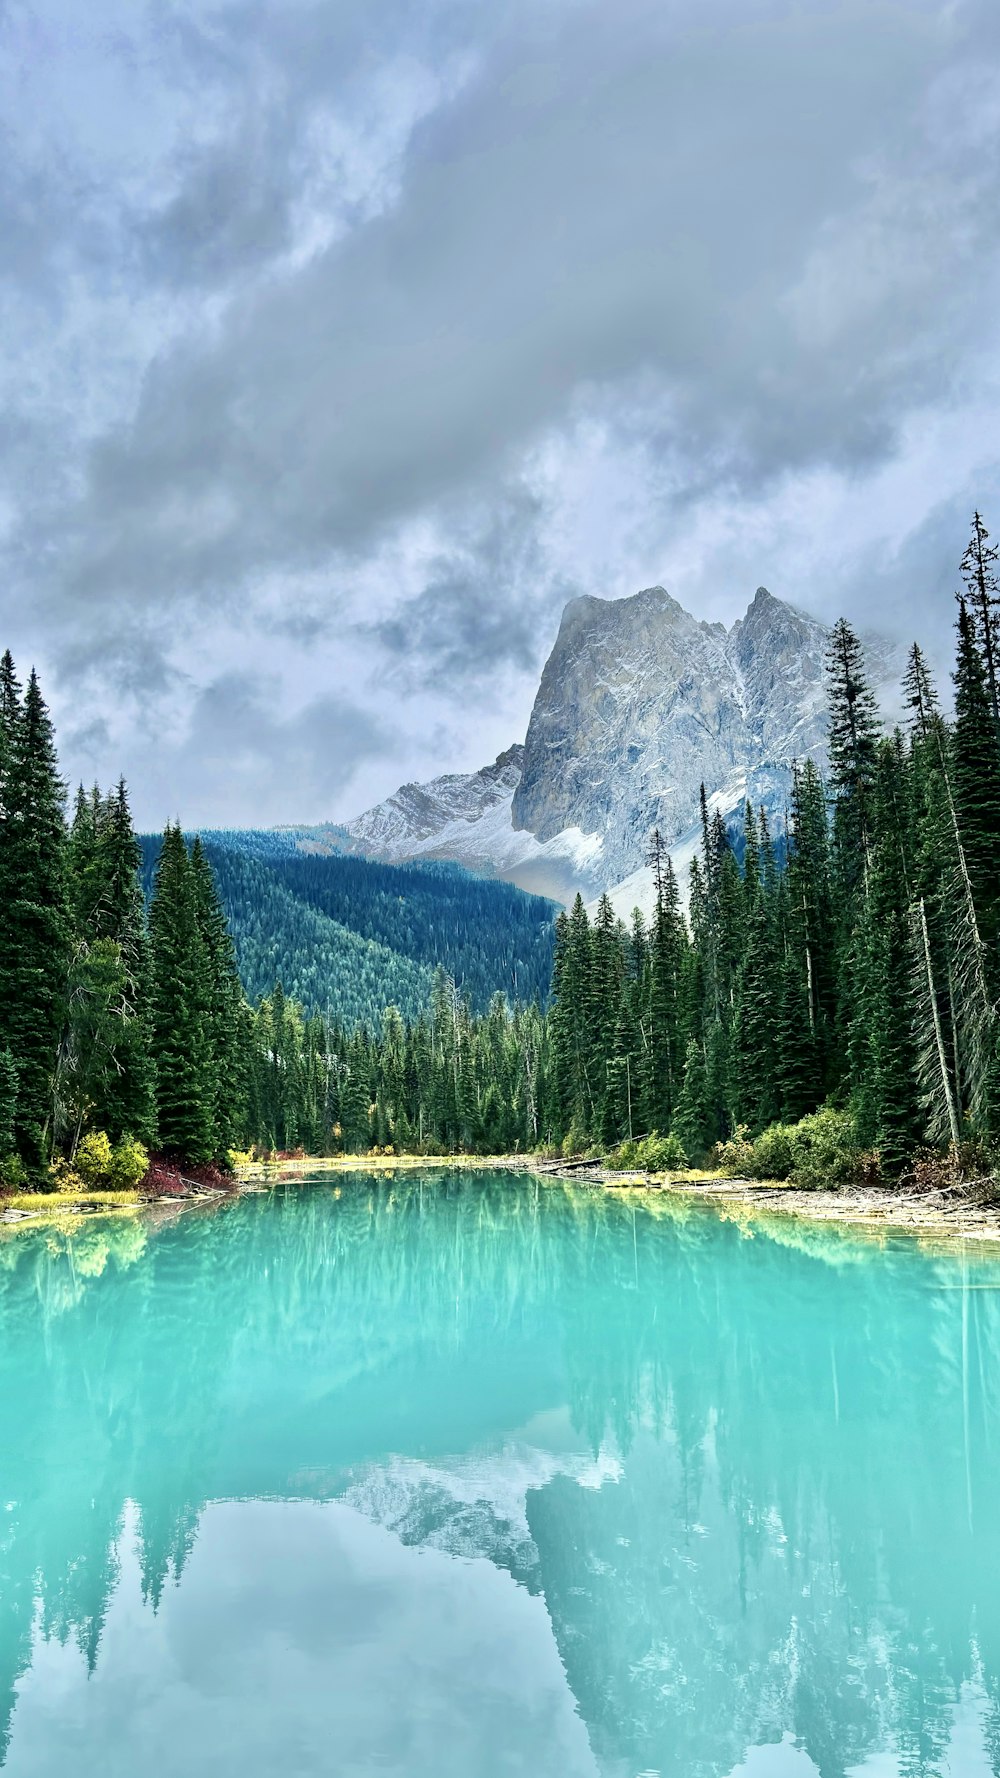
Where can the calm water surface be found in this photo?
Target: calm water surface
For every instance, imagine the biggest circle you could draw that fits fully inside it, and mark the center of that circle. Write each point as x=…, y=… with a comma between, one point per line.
x=452, y=1477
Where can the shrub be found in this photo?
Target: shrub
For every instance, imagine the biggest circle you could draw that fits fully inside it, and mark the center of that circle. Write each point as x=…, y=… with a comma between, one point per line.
x=93, y=1158
x=162, y=1180
x=652, y=1154
x=129, y=1164
x=735, y=1157
x=773, y=1153
x=574, y=1143
x=821, y=1149
x=13, y=1174
x=62, y=1177
x=119, y=1168
x=825, y=1148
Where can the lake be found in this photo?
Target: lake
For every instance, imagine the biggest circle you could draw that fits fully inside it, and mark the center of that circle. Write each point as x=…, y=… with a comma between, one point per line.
x=471, y=1475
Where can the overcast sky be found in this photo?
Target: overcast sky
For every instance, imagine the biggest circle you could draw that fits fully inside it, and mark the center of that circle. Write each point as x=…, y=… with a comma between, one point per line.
x=344, y=340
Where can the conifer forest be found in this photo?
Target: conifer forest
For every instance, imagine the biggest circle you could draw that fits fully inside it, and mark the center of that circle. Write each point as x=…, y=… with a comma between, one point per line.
x=825, y=1008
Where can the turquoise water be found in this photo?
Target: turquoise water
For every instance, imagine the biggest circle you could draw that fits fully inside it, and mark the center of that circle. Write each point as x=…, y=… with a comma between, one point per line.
x=475, y=1476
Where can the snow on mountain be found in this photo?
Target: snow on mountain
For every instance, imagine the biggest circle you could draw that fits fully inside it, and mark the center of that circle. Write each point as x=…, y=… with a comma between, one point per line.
x=639, y=704
x=466, y=818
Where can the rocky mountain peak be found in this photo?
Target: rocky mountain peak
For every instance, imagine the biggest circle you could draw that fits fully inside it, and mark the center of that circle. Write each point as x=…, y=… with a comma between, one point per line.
x=639, y=704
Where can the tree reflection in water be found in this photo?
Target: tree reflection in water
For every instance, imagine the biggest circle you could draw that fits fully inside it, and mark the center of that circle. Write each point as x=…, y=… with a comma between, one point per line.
x=749, y=1469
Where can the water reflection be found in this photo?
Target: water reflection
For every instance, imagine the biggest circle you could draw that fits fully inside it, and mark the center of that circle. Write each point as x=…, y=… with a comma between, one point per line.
x=740, y=1481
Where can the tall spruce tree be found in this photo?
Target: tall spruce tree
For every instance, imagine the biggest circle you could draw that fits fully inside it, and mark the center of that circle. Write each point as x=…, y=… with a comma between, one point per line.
x=186, y=1086
x=665, y=1010
x=34, y=907
x=105, y=1072
x=881, y=1033
x=976, y=780
x=853, y=745
x=982, y=596
x=224, y=1001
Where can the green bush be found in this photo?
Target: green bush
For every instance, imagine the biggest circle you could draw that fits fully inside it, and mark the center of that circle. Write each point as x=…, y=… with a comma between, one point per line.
x=651, y=1154
x=574, y=1143
x=119, y=1168
x=821, y=1149
x=13, y=1173
x=93, y=1158
x=773, y=1153
x=735, y=1157
x=826, y=1148
x=129, y=1165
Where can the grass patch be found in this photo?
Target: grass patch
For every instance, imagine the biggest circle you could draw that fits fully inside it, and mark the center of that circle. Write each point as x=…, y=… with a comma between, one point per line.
x=55, y=1203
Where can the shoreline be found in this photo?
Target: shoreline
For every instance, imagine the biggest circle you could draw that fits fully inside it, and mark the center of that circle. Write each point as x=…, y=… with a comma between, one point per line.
x=874, y=1210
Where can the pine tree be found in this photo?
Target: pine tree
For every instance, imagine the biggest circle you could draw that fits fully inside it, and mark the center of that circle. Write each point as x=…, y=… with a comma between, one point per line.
x=186, y=1083
x=854, y=731
x=979, y=571
x=936, y=878
x=34, y=909
x=972, y=777
x=104, y=1069
x=881, y=1032
x=920, y=693
x=695, y=1118
x=607, y=974
x=8, y=1104
x=667, y=1038
x=224, y=1000
x=976, y=780
x=755, y=1046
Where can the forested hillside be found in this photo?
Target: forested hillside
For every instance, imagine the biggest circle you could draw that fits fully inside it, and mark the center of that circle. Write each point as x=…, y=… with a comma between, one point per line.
x=347, y=937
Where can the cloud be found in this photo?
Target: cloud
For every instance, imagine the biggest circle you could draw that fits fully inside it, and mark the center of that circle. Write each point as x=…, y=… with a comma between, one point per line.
x=241, y=752
x=507, y=302
x=706, y=200
x=484, y=597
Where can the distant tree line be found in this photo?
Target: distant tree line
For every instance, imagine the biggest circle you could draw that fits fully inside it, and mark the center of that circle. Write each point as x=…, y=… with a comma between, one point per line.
x=349, y=936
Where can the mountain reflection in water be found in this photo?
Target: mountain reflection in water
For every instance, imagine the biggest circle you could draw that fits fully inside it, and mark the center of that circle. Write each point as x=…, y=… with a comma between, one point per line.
x=474, y=1474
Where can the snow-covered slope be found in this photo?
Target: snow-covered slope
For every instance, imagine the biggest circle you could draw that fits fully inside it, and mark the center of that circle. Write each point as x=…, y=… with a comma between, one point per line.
x=639, y=704
x=466, y=817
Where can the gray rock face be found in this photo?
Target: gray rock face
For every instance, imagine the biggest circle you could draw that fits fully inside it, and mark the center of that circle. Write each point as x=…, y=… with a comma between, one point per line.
x=639, y=704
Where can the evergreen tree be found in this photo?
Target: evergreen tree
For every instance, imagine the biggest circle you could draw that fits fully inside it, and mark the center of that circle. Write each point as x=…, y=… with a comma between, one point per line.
x=667, y=1037
x=34, y=908
x=982, y=597
x=755, y=1033
x=854, y=731
x=8, y=1103
x=186, y=1084
x=976, y=780
x=881, y=1029
x=224, y=999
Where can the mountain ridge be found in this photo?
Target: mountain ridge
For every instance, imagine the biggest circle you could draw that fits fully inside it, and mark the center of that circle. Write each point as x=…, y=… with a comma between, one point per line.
x=639, y=703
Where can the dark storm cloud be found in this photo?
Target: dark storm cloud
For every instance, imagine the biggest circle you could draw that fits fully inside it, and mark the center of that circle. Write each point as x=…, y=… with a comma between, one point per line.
x=231, y=213
x=481, y=601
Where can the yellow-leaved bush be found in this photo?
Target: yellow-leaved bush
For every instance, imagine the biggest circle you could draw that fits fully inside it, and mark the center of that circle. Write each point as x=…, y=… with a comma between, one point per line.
x=117, y=1167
